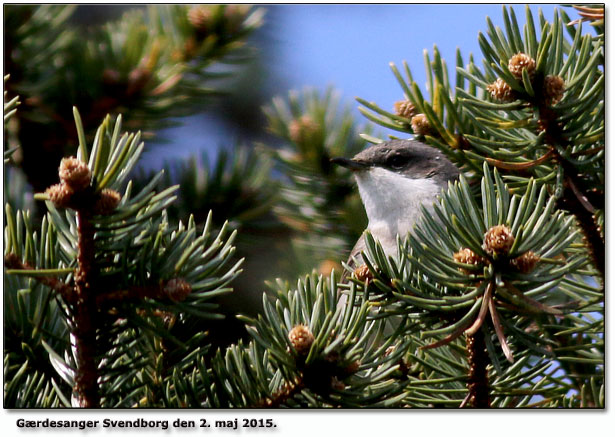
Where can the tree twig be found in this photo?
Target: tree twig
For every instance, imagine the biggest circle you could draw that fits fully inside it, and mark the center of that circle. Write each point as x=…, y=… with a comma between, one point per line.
x=478, y=383
x=86, y=379
x=282, y=395
x=67, y=291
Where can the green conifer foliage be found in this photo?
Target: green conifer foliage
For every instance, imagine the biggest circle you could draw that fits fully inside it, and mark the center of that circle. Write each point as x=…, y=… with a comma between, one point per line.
x=495, y=300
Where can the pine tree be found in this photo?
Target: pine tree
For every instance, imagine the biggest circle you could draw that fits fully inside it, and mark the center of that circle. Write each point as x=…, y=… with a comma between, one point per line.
x=496, y=300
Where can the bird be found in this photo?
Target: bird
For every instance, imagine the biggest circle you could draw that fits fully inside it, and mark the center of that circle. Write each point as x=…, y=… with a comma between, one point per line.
x=395, y=178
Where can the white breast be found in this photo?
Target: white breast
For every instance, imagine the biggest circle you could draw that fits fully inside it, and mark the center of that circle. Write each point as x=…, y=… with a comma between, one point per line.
x=392, y=203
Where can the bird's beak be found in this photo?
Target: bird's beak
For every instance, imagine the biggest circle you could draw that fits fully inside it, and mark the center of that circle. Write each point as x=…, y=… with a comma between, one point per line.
x=350, y=164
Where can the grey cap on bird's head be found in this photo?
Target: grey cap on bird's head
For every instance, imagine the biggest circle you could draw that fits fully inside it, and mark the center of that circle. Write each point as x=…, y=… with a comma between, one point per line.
x=409, y=158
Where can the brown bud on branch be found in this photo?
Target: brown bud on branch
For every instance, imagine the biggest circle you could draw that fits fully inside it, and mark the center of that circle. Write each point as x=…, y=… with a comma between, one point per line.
x=498, y=240
x=75, y=173
x=520, y=62
x=420, y=124
x=301, y=338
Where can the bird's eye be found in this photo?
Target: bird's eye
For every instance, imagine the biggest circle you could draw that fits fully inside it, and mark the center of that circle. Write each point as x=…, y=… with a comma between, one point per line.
x=396, y=161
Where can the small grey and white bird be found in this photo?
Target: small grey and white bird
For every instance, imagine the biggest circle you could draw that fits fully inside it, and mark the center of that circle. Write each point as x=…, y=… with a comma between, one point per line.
x=395, y=178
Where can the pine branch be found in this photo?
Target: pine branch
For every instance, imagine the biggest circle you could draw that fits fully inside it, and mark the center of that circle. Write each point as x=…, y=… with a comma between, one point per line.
x=317, y=200
x=492, y=274
x=315, y=354
x=282, y=396
x=120, y=246
x=586, y=220
x=530, y=94
x=152, y=64
x=11, y=261
x=107, y=298
x=87, y=375
x=478, y=377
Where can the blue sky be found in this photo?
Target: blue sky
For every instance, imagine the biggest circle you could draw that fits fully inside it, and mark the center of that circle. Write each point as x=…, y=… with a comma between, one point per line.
x=350, y=47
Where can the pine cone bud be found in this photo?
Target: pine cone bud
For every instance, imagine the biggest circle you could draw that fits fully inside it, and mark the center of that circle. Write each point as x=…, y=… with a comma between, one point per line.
x=363, y=273
x=404, y=108
x=60, y=195
x=200, y=17
x=302, y=129
x=190, y=50
x=353, y=367
x=177, y=289
x=520, y=62
x=336, y=384
x=75, y=173
x=234, y=15
x=107, y=202
x=137, y=80
x=467, y=256
x=500, y=90
x=420, y=124
x=553, y=89
x=526, y=262
x=12, y=261
x=301, y=338
x=498, y=240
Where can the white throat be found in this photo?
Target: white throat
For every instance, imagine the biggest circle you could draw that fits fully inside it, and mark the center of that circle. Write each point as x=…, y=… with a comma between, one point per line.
x=392, y=203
